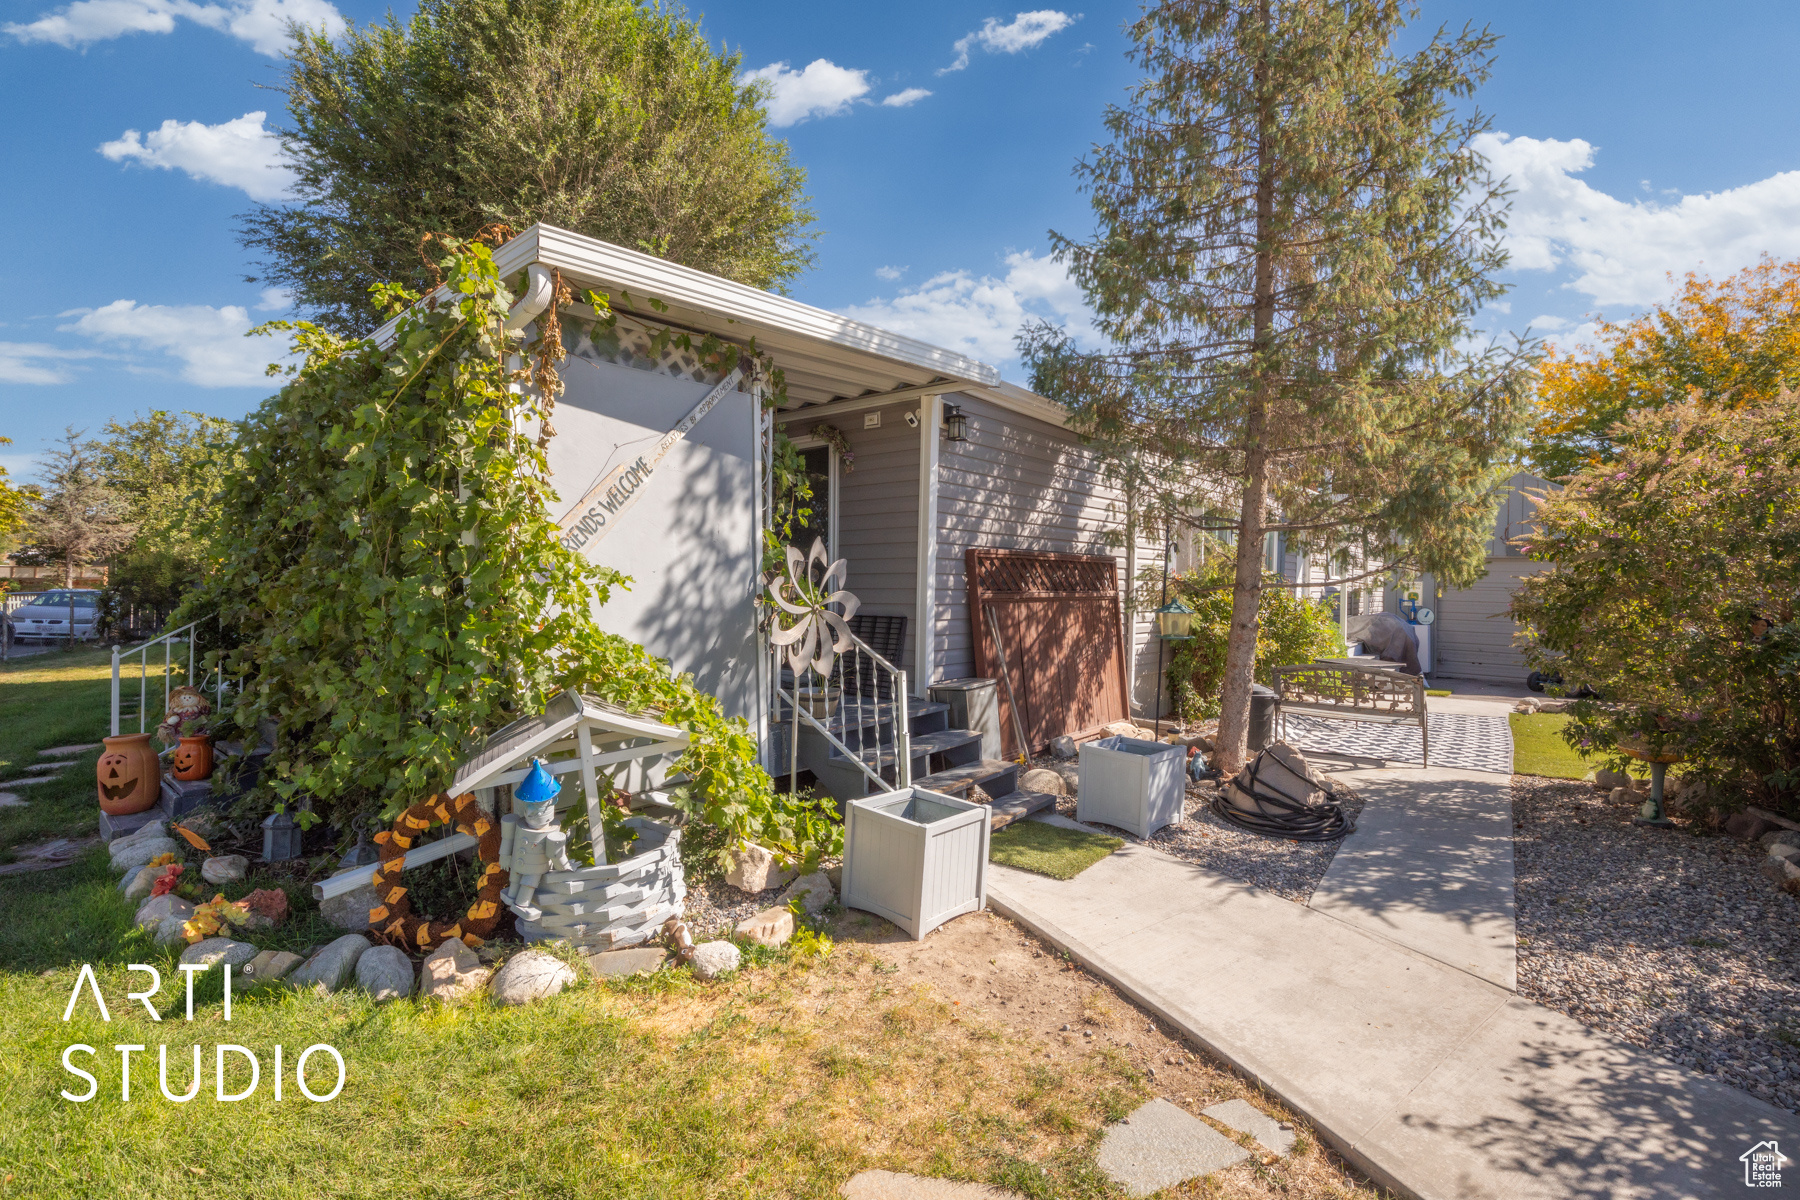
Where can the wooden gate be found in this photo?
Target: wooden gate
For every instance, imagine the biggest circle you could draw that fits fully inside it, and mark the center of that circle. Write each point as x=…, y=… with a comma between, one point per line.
x=1062, y=628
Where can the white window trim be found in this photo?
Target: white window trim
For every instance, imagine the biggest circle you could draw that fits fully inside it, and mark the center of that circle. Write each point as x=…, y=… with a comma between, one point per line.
x=808, y=442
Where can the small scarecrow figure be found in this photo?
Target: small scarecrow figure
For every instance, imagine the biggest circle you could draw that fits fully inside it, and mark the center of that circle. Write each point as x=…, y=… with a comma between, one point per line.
x=538, y=843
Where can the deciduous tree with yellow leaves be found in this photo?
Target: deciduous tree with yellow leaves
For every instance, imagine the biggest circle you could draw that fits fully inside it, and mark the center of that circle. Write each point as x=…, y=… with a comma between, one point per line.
x=1733, y=342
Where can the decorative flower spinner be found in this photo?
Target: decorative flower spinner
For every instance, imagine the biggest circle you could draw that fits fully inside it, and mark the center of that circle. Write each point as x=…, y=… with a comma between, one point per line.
x=818, y=635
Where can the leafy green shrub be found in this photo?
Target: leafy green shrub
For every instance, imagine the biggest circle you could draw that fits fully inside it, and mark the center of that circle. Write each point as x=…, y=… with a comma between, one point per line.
x=1673, y=596
x=1290, y=630
x=390, y=588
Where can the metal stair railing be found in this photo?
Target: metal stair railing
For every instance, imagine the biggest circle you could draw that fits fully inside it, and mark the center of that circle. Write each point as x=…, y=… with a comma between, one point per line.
x=864, y=683
x=170, y=664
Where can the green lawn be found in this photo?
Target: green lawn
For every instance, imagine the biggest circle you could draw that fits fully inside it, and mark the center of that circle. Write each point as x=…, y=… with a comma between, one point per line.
x=1538, y=747
x=1050, y=849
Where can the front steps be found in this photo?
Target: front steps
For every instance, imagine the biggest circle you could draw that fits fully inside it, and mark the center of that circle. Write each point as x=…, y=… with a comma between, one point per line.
x=942, y=759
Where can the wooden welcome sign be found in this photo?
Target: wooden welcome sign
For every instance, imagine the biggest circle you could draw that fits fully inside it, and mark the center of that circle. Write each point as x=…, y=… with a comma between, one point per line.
x=595, y=515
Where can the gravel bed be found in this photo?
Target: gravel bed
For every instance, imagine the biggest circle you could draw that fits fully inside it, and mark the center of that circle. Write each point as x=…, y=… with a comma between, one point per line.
x=1289, y=869
x=1668, y=940
x=714, y=907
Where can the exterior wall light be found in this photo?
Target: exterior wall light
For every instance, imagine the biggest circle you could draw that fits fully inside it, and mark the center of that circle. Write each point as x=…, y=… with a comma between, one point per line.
x=956, y=424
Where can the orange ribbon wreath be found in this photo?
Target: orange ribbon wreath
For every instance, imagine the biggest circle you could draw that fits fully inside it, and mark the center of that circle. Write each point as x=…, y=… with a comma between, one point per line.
x=393, y=917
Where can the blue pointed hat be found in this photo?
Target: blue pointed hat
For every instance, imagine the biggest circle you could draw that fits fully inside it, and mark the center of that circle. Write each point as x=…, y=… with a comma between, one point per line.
x=538, y=786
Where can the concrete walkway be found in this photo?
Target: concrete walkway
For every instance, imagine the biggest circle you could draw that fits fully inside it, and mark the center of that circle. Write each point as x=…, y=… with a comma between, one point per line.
x=1432, y=1079
x=1430, y=866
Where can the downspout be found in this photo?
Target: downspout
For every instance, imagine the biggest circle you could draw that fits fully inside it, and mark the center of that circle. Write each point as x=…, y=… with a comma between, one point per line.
x=538, y=290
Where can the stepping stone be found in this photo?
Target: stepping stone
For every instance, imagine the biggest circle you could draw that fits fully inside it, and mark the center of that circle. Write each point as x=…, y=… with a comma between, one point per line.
x=11, y=800
x=1159, y=1145
x=1242, y=1116
x=68, y=751
x=619, y=963
x=894, y=1185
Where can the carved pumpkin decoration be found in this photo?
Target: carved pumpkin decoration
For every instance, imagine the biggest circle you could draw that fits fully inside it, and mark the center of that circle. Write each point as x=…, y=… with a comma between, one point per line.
x=193, y=759
x=129, y=775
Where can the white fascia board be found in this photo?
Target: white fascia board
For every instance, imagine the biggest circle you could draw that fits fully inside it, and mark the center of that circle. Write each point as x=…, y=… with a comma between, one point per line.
x=614, y=267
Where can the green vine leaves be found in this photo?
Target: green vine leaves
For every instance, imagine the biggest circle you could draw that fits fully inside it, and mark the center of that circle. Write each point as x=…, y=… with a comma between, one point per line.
x=390, y=586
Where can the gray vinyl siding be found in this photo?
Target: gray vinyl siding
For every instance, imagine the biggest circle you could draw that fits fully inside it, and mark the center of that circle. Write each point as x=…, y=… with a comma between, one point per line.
x=878, y=513
x=1022, y=484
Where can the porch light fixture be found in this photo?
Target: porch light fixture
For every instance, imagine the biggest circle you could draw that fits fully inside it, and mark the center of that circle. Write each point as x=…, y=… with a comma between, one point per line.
x=956, y=424
x=1175, y=622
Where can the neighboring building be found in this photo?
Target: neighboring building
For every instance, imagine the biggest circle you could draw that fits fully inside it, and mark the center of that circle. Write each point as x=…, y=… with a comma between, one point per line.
x=905, y=515
x=1473, y=637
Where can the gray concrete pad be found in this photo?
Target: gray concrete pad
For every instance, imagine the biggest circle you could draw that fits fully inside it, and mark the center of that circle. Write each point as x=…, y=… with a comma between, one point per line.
x=896, y=1185
x=1430, y=865
x=1244, y=1117
x=1434, y=1082
x=1160, y=1145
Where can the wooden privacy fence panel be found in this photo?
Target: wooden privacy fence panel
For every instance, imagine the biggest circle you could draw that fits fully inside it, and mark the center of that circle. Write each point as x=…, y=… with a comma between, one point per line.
x=1062, y=627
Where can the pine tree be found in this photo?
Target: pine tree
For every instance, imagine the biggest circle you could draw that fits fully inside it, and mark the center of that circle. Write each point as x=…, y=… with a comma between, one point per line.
x=1294, y=235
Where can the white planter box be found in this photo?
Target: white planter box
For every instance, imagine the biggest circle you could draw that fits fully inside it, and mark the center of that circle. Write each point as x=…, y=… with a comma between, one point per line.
x=916, y=857
x=1133, y=784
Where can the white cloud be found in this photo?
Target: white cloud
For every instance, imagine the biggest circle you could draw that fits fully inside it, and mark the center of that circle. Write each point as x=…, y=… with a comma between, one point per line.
x=823, y=89
x=890, y=273
x=208, y=342
x=275, y=300
x=979, y=316
x=35, y=362
x=262, y=23
x=1025, y=30
x=1622, y=252
x=902, y=99
x=239, y=153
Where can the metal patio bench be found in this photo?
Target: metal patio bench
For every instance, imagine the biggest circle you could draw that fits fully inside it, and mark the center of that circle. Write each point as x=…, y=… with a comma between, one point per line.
x=1338, y=691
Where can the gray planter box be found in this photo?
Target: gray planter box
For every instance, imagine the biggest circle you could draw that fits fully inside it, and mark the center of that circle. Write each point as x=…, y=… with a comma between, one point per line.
x=916, y=857
x=1137, y=785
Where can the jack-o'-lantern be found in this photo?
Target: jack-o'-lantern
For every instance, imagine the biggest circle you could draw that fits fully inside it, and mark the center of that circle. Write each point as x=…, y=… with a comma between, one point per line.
x=129, y=775
x=193, y=759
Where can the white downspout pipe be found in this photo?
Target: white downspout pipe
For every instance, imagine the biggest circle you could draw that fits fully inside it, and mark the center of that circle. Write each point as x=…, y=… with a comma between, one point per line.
x=539, y=288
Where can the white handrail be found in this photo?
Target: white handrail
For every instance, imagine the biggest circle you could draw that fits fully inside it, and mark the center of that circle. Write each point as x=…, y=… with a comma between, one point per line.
x=901, y=718
x=142, y=652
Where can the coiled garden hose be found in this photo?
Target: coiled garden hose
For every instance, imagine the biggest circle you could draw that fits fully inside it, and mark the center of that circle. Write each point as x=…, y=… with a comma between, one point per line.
x=1291, y=819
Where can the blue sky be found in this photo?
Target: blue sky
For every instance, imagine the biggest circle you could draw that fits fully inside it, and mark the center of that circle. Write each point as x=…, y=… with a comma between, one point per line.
x=1643, y=137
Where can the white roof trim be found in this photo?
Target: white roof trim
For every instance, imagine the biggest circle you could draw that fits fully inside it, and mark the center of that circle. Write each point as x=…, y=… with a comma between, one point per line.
x=648, y=277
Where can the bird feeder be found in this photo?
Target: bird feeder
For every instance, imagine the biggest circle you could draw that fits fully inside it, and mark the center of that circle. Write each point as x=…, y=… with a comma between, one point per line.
x=1175, y=622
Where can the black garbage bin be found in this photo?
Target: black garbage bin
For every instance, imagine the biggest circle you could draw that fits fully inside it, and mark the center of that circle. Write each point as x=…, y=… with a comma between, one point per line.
x=1262, y=718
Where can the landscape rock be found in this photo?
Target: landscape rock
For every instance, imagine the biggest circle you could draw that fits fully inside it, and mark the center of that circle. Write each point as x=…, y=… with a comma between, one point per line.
x=770, y=927
x=1780, y=837
x=157, y=909
x=137, y=884
x=386, y=973
x=1620, y=795
x=1042, y=779
x=1743, y=825
x=1526, y=706
x=753, y=869
x=1783, y=872
x=1130, y=729
x=713, y=959
x=332, y=967
x=1063, y=747
x=1606, y=780
x=451, y=972
x=152, y=829
x=350, y=910
x=271, y=903
x=1783, y=850
x=815, y=892
x=141, y=851
x=271, y=966
x=616, y=964
x=172, y=931
x=224, y=868
x=836, y=876
x=204, y=824
x=530, y=975
x=215, y=950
